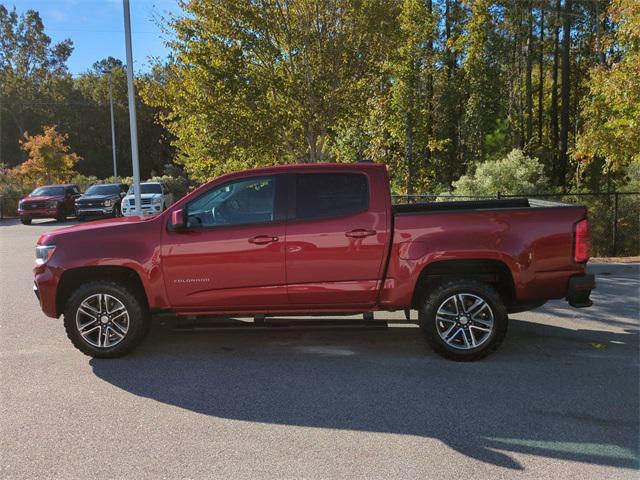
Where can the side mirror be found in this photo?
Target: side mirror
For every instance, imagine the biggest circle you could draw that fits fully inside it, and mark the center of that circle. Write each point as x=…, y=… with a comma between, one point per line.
x=178, y=221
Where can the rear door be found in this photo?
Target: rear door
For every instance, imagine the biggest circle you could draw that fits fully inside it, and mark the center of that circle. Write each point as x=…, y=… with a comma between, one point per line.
x=336, y=239
x=232, y=255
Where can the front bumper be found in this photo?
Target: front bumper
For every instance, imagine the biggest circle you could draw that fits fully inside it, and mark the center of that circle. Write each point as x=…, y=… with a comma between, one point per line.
x=579, y=290
x=94, y=211
x=45, y=286
x=38, y=212
x=146, y=210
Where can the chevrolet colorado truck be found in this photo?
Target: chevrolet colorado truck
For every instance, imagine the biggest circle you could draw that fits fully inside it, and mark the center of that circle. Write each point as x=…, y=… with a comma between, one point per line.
x=49, y=201
x=315, y=240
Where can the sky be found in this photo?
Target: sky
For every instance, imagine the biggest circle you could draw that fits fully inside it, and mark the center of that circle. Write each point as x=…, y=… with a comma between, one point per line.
x=96, y=28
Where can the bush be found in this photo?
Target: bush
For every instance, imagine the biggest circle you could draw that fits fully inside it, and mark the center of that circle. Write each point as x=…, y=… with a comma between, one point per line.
x=514, y=174
x=12, y=188
x=83, y=181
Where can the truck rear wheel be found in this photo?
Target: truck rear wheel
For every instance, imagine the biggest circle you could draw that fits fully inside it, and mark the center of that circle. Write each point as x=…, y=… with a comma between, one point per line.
x=105, y=320
x=25, y=220
x=463, y=320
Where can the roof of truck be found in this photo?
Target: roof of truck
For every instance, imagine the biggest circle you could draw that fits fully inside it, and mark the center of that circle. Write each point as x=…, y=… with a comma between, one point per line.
x=314, y=166
x=59, y=185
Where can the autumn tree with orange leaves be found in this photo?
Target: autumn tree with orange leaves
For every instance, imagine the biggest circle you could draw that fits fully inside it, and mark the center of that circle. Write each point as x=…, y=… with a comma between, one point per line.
x=49, y=158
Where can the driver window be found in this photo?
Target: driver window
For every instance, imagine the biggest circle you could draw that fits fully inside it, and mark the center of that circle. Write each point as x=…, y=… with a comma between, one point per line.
x=239, y=202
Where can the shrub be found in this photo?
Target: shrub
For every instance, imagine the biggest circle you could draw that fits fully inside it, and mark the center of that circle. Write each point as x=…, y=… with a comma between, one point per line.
x=514, y=174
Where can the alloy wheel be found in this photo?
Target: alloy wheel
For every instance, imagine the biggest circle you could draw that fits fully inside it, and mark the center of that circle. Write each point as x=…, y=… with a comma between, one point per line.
x=464, y=321
x=102, y=320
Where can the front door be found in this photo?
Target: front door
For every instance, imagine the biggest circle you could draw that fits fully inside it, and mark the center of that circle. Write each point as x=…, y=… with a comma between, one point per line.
x=70, y=196
x=231, y=257
x=336, y=240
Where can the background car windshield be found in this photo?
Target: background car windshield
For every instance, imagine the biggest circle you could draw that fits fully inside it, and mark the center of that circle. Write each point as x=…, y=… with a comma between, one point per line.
x=102, y=190
x=47, y=191
x=147, y=188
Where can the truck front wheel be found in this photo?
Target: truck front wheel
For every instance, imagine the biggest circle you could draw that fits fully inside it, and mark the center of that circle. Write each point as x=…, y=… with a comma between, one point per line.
x=463, y=320
x=105, y=320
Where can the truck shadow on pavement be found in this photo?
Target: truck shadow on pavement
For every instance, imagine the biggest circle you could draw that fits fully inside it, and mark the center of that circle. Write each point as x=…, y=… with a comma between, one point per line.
x=549, y=391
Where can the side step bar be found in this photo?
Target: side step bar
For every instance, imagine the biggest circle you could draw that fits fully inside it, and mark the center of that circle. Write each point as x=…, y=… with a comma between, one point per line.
x=215, y=324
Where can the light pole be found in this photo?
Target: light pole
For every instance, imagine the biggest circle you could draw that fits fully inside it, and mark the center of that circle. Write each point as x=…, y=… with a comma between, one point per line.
x=113, y=125
x=132, y=108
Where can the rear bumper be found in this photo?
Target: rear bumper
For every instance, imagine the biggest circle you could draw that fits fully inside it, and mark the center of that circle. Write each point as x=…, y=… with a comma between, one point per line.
x=579, y=290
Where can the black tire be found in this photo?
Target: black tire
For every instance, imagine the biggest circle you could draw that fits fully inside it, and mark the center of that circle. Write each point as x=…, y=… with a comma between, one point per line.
x=439, y=295
x=116, y=211
x=139, y=319
x=62, y=216
x=25, y=220
x=81, y=218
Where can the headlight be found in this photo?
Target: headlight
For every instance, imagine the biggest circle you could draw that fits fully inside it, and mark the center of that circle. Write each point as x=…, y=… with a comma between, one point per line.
x=52, y=204
x=43, y=253
x=107, y=203
x=157, y=199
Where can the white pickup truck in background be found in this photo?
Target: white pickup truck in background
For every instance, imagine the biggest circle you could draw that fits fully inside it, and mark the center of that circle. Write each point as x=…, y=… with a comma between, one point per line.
x=154, y=198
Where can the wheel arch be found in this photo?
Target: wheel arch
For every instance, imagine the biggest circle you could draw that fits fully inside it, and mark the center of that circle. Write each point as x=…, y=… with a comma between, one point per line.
x=71, y=279
x=494, y=272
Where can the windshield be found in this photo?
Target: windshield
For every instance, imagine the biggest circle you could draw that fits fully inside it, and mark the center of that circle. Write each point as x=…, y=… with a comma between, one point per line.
x=47, y=191
x=102, y=190
x=147, y=188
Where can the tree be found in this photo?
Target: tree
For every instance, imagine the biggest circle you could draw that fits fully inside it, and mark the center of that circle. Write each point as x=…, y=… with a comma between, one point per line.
x=411, y=121
x=31, y=73
x=49, y=159
x=563, y=158
x=429, y=87
x=267, y=82
x=92, y=139
x=480, y=80
x=450, y=95
x=514, y=174
x=612, y=108
x=554, y=123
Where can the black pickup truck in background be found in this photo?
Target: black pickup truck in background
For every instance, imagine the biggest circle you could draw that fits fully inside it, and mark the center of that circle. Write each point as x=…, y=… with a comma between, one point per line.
x=101, y=201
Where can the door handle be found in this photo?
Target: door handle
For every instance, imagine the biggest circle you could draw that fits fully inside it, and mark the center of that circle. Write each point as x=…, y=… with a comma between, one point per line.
x=360, y=233
x=263, y=239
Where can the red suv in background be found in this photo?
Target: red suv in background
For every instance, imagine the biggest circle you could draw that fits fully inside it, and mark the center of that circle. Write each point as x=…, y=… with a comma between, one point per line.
x=49, y=201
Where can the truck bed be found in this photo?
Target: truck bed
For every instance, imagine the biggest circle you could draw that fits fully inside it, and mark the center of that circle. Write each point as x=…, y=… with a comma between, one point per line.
x=466, y=205
x=532, y=238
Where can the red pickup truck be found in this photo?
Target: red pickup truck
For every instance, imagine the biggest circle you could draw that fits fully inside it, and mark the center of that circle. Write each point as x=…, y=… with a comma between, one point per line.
x=49, y=201
x=315, y=240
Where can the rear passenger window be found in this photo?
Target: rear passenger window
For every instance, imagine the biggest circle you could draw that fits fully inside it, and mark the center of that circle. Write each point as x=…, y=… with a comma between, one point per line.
x=321, y=195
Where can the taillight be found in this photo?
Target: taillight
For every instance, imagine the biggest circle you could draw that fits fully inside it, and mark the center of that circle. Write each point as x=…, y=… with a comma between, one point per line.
x=582, y=241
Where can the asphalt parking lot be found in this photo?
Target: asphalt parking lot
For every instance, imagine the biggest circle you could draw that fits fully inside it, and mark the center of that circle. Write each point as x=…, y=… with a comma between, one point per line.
x=560, y=399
